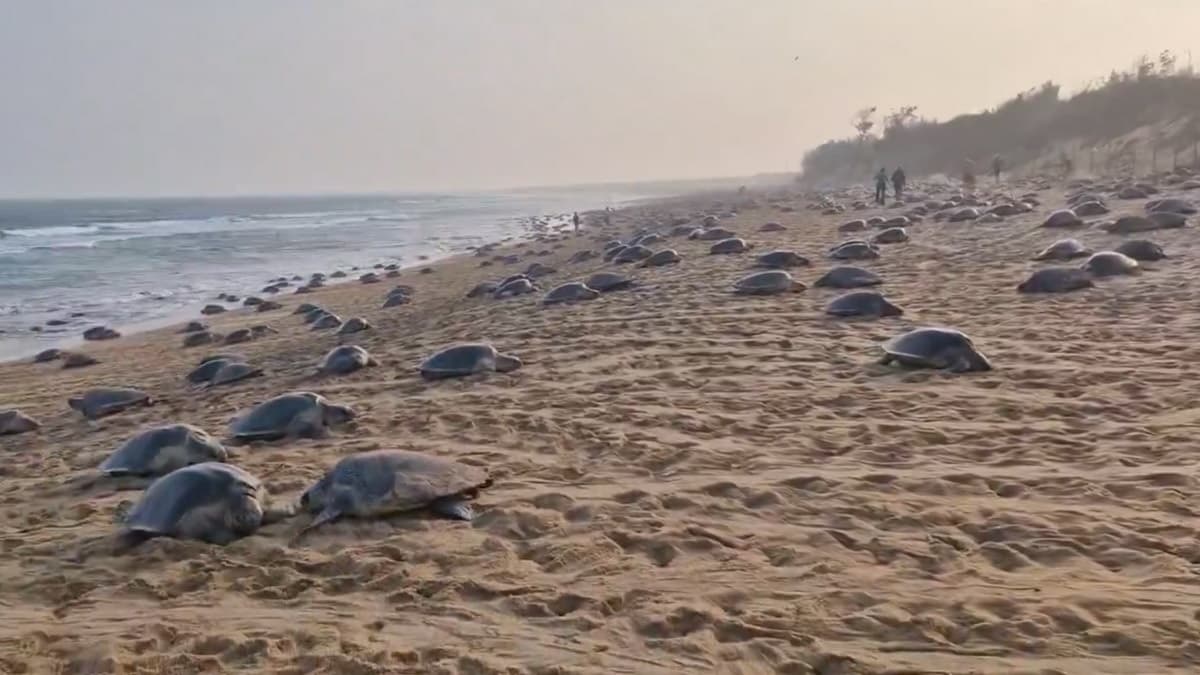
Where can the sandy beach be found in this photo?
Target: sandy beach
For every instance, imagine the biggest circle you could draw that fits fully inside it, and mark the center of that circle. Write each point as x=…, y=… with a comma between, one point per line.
x=686, y=480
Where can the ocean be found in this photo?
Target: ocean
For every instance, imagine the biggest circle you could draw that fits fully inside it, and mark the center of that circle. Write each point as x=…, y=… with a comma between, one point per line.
x=135, y=264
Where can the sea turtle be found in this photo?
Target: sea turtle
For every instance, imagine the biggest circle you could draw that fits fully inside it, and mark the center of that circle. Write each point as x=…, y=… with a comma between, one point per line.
x=769, y=282
x=193, y=327
x=96, y=333
x=853, y=226
x=161, y=450
x=960, y=215
x=942, y=348
x=397, y=297
x=848, y=276
x=632, y=254
x=315, y=315
x=876, y=221
x=466, y=359
x=268, y=306
x=1005, y=210
x=305, y=308
x=772, y=227
x=345, y=359
x=1056, y=280
x=327, y=320
x=518, y=286
x=337, y=274
x=239, y=336
x=667, y=256
x=1142, y=250
x=572, y=291
x=199, y=338
x=854, y=250
x=14, y=422
x=1063, y=249
x=211, y=502
x=892, y=235
x=102, y=401
x=382, y=482
x=862, y=303
x=300, y=414
x=1110, y=263
x=369, y=278
x=252, y=301
x=713, y=234
x=482, y=288
x=1171, y=205
x=203, y=373
x=731, y=245
x=537, y=269
x=1090, y=208
x=611, y=253
x=581, y=256
x=1129, y=225
x=47, y=355
x=648, y=239
x=209, y=310
x=1062, y=218
x=78, y=360
x=234, y=371
x=781, y=260
x=608, y=281
x=1168, y=220
x=354, y=325
x=1131, y=192
x=895, y=221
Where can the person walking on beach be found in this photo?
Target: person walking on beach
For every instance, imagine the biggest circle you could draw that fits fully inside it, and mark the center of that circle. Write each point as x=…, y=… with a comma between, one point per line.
x=898, y=181
x=575, y=219
x=997, y=166
x=881, y=181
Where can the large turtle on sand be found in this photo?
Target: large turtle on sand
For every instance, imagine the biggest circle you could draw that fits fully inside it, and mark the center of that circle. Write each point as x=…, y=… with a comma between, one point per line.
x=667, y=256
x=848, y=276
x=1142, y=250
x=383, y=482
x=608, y=281
x=234, y=371
x=631, y=254
x=519, y=286
x=14, y=422
x=346, y=359
x=467, y=359
x=1063, y=249
x=1056, y=280
x=1111, y=264
x=770, y=282
x=942, y=348
x=327, y=320
x=161, y=450
x=862, y=303
x=102, y=401
x=572, y=291
x=212, y=502
x=854, y=250
x=301, y=414
x=727, y=246
x=781, y=260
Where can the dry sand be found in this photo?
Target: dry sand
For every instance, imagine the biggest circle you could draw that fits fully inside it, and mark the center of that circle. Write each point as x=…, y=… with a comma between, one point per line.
x=686, y=480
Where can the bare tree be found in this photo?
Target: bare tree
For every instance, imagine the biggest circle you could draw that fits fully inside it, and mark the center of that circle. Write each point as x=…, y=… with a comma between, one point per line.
x=863, y=123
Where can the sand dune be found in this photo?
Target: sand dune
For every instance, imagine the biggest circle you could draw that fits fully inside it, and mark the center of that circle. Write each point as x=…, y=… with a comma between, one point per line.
x=686, y=480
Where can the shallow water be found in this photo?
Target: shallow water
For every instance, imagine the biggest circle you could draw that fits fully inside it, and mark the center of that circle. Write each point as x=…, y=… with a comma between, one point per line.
x=141, y=263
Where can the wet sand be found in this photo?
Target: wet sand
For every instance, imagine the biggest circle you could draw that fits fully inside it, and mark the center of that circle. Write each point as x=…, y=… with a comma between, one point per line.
x=685, y=480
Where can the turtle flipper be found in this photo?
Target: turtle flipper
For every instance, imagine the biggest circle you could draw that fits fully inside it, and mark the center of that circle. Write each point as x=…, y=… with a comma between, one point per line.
x=455, y=508
x=329, y=515
x=885, y=360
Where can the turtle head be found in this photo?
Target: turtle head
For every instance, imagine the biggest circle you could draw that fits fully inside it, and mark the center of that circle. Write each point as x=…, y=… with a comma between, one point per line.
x=76, y=403
x=337, y=414
x=506, y=363
x=316, y=497
x=970, y=360
x=204, y=448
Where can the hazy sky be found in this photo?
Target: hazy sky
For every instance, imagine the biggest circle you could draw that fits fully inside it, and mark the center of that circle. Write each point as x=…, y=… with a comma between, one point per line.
x=253, y=96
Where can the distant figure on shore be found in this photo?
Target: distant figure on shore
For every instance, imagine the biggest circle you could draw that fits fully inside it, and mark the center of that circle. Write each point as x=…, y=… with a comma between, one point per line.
x=881, y=181
x=898, y=181
x=968, y=175
x=575, y=219
x=997, y=167
x=608, y=216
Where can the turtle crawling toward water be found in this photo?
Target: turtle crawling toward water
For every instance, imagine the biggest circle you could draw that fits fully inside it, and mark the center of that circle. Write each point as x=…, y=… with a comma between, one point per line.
x=212, y=502
x=161, y=450
x=467, y=359
x=300, y=414
x=14, y=422
x=345, y=359
x=770, y=282
x=103, y=401
x=941, y=348
x=383, y=482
